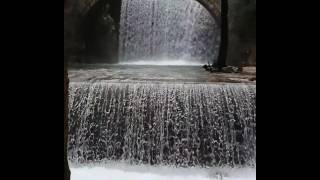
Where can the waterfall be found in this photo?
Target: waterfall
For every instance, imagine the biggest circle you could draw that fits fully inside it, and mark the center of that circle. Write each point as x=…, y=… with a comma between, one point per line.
x=163, y=123
x=167, y=32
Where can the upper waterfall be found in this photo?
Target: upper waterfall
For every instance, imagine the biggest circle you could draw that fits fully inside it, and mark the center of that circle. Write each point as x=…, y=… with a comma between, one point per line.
x=167, y=32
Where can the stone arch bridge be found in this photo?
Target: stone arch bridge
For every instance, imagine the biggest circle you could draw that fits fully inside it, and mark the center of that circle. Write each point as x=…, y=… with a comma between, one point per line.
x=213, y=6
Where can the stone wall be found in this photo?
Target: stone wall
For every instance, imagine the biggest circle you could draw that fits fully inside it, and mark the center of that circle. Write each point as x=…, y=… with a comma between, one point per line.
x=213, y=6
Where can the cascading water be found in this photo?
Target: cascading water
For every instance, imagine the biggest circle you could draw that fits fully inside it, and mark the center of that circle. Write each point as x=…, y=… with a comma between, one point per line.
x=163, y=123
x=167, y=32
x=159, y=115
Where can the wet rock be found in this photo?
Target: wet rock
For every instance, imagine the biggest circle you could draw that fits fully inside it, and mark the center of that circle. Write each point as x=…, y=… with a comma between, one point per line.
x=230, y=69
x=210, y=68
x=206, y=67
x=240, y=69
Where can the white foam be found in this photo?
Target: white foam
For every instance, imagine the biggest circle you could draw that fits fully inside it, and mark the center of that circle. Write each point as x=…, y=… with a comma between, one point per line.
x=163, y=63
x=127, y=172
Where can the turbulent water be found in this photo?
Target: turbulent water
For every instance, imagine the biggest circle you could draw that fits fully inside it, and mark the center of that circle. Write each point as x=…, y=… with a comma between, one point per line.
x=167, y=32
x=163, y=123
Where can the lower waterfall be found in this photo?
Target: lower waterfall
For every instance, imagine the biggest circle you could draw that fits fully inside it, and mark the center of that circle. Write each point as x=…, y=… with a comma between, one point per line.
x=163, y=123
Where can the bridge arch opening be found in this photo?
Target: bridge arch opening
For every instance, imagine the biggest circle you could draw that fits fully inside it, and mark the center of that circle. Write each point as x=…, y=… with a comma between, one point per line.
x=102, y=40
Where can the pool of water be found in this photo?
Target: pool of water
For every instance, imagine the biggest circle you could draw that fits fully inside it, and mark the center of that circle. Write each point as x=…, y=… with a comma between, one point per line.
x=143, y=73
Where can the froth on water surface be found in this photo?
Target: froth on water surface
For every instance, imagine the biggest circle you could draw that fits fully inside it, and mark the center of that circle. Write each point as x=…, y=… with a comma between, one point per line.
x=165, y=62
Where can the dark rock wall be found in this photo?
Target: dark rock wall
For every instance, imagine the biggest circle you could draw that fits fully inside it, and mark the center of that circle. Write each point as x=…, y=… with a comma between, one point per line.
x=72, y=17
x=100, y=32
x=242, y=32
x=91, y=30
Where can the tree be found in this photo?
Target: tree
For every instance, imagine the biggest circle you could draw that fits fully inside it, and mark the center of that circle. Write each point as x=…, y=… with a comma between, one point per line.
x=222, y=58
